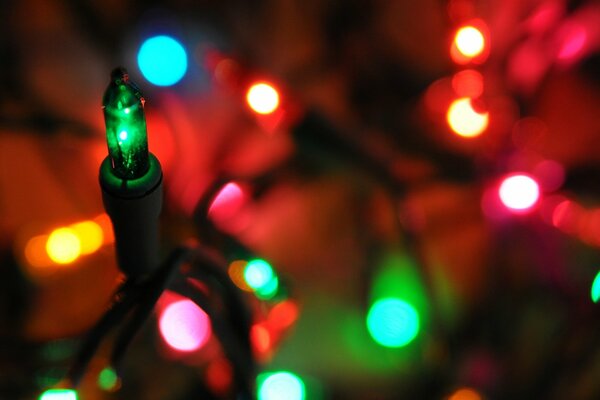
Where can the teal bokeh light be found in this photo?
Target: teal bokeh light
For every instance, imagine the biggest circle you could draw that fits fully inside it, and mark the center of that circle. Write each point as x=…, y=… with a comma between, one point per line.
x=162, y=60
x=393, y=322
x=595, y=292
x=59, y=394
x=282, y=385
x=261, y=277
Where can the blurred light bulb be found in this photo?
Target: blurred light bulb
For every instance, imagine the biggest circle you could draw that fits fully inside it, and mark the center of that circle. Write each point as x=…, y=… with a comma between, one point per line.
x=469, y=41
x=519, y=192
x=184, y=326
x=63, y=246
x=464, y=120
x=262, y=98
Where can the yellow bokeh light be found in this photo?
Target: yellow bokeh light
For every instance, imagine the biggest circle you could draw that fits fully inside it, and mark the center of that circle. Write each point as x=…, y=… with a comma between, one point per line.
x=90, y=236
x=469, y=41
x=464, y=120
x=63, y=246
x=262, y=98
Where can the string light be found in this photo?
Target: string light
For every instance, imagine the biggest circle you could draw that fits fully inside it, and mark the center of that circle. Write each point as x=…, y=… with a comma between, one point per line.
x=90, y=236
x=59, y=394
x=261, y=277
x=469, y=41
x=263, y=98
x=281, y=385
x=125, y=122
x=184, y=326
x=63, y=246
x=162, y=60
x=393, y=322
x=227, y=202
x=519, y=192
x=108, y=379
x=465, y=393
x=464, y=120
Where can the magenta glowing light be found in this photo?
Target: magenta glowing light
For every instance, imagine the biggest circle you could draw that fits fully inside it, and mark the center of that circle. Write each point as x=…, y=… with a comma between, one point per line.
x=184, y=326
x=227, y=202
x=573, y=41
x=519, y=192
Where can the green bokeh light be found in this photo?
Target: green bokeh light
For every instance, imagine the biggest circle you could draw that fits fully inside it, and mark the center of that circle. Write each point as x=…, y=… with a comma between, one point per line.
x=393, y=322
x=596, y=288
x=281, y=385
x=59, y=394
x=261, y=277
x=125, y=121
x=269, y=290
x=107, y=379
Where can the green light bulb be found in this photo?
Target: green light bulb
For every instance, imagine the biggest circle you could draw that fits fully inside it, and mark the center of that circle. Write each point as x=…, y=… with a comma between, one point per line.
x=59, y=394
x=125, y=121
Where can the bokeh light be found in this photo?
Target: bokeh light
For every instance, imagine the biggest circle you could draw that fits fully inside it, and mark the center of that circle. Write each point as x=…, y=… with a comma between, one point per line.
x=573, y=40
x=281, y=385
x=227, y=202
x=393, y=322
x=464, y=120
x=465, y=393
x=595, y=292
x=162, y=60
x=283, y=315
x=35, y=251
x=261, y=277
x=550, y=175
x=260, y=338
x=184, y=326
x=59, y=394
x=262, y=98
x=63, y=246
x=108, y=379
x=236, y=274
x=468, y=83
x=219, y=376
x=90, y=236
x=469, y=41
x=519, y=192
x=567, y=216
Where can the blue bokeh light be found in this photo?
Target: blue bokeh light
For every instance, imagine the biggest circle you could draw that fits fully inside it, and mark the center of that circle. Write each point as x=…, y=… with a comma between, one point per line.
x=162, y=60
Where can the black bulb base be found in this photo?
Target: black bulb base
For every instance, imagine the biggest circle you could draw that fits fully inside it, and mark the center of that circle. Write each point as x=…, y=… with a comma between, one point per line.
x=134, y=208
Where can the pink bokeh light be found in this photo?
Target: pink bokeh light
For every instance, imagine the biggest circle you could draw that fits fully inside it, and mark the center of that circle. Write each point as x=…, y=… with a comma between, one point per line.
x=184, y=326
x=227, y=202
x=519, y=192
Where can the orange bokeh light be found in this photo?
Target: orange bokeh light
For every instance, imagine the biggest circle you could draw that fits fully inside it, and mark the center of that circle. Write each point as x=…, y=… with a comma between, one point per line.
x=66, y=244
x=261, y=338
x=465, y=394
x=464, y=120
